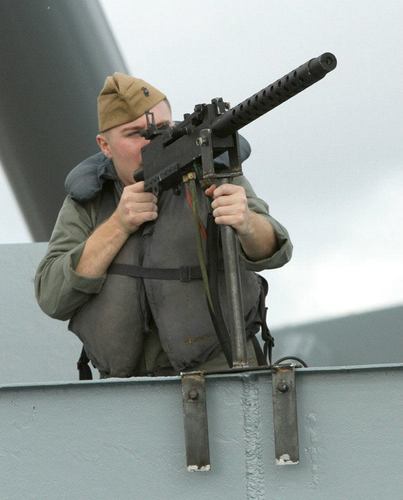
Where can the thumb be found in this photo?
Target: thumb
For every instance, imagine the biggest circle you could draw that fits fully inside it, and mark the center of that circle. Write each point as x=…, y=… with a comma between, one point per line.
x=210, y=190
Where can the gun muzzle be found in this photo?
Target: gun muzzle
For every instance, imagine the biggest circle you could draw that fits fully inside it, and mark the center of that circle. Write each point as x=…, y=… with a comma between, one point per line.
x=274, y=94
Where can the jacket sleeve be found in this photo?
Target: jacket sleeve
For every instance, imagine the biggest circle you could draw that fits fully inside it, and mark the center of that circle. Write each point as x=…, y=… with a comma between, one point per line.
x=59, y=289
x=284, y=252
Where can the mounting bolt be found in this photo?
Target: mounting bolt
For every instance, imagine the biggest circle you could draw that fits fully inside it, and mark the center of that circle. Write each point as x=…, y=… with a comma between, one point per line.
x=193, y=394
x=282, y=387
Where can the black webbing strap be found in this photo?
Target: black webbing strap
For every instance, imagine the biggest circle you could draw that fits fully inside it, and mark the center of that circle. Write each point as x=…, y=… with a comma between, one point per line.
x=83, y=368
x=263, y=356
x=260, y=357
x=184, y=274
x=213, y=251
x=265, y=331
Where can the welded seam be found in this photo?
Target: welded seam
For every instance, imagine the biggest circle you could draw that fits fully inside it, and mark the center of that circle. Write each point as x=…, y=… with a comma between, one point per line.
x=254, y=467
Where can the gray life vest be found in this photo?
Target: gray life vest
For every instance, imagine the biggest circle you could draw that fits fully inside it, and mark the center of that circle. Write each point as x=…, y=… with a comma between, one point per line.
x=112, y=324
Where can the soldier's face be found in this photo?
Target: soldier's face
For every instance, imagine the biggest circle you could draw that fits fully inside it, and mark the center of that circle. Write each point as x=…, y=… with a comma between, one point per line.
x=123, y=144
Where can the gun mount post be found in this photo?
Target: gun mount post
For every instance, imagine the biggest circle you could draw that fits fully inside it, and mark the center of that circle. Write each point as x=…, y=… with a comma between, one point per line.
x=230, y=249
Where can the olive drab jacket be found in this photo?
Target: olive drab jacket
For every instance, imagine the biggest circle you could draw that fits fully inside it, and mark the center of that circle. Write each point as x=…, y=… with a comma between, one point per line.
x=110, y=314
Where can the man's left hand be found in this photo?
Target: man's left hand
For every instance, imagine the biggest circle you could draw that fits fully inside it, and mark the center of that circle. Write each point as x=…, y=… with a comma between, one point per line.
x=230, y=206
x=256, y=234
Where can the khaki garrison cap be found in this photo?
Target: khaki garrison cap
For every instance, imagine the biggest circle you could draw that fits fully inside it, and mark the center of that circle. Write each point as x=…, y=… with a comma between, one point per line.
x=124, y=99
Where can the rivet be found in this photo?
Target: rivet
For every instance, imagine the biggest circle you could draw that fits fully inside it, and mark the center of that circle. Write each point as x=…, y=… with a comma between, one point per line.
x=193, y=394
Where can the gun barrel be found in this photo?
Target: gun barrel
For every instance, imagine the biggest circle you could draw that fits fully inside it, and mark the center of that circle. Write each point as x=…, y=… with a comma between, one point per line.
x=271, y=96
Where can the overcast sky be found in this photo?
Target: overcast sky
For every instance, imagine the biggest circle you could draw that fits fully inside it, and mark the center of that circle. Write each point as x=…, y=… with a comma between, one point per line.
x=329, y=161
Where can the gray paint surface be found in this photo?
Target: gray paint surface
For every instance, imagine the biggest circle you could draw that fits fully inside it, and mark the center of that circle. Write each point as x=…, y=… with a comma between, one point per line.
x=358, y=339
x=125, y=439
x=34, y=347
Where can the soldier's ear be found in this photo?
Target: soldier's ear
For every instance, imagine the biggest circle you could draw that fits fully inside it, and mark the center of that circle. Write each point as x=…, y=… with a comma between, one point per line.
x=103, y=144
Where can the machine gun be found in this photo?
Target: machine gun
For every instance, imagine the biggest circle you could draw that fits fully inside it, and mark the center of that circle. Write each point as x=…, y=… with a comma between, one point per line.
x=212, y=130
x=193, y=144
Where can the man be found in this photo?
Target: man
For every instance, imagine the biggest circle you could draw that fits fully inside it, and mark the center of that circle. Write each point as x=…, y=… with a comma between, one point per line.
x=134, y=325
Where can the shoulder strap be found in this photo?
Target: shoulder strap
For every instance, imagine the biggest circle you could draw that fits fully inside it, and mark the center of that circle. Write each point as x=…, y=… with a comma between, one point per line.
x=265, y=331
x=84, y=370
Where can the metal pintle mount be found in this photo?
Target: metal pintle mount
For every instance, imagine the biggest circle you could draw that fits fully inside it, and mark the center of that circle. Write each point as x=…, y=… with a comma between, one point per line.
x=195, y=421
x=285, y=414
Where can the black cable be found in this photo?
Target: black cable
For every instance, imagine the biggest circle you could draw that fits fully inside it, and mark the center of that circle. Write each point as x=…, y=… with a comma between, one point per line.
x=294, y=358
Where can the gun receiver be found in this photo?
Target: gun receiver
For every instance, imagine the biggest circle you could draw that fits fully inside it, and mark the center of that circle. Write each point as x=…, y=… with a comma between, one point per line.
x=212, y=130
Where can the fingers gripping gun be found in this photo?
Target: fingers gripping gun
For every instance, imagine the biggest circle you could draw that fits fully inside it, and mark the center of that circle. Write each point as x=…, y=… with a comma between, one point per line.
x=194, y=143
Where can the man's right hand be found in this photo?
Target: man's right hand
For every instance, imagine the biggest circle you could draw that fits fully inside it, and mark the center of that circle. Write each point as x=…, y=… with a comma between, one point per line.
x=135, y=207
